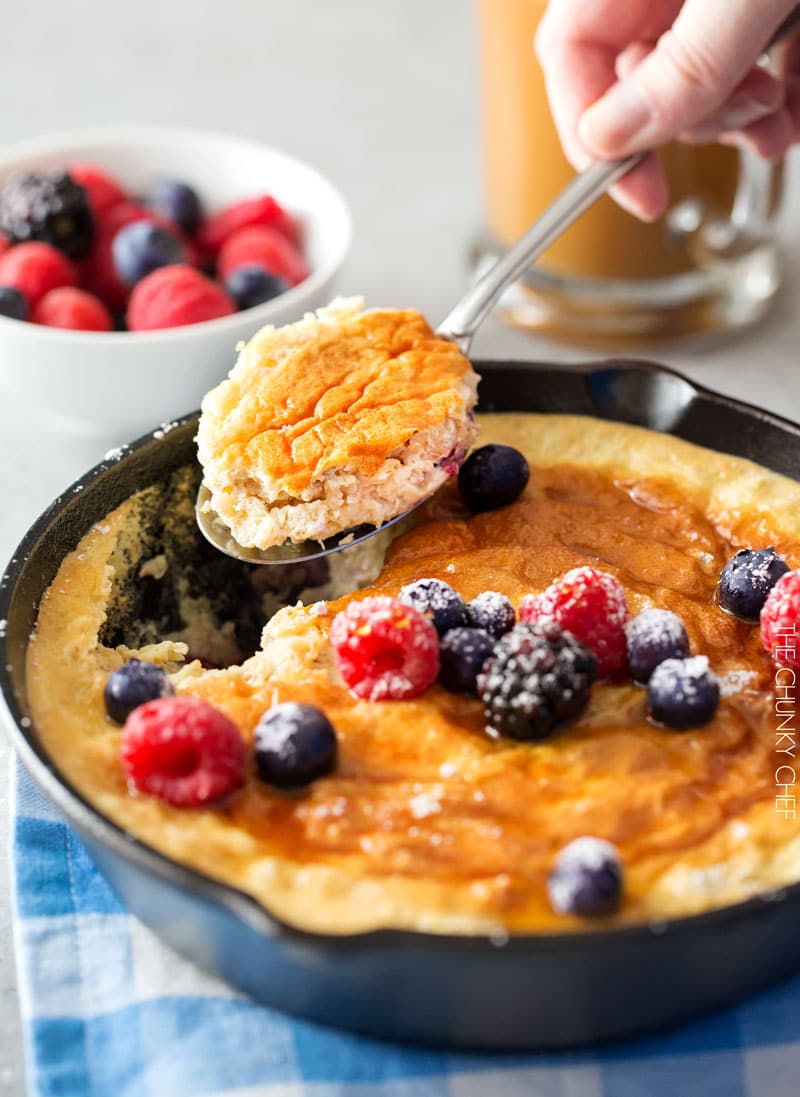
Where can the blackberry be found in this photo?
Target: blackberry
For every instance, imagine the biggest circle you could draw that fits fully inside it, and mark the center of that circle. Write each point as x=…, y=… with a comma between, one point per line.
x=51, y=208
x=539, y=677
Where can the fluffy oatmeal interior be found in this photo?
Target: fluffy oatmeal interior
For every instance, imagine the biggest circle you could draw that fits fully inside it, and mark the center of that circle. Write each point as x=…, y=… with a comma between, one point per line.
x=346, y=417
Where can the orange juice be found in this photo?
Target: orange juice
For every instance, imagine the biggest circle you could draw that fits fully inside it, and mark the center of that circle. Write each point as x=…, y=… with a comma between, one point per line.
x=525, y=167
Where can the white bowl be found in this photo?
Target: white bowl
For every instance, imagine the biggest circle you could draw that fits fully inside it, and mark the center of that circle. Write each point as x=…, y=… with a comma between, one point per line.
x=117, y=384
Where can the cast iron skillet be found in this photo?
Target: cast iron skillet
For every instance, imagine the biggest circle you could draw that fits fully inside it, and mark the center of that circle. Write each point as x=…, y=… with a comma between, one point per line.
x=527, y=992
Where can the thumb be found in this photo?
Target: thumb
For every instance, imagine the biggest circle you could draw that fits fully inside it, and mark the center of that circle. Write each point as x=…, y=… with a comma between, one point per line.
x=690, y=73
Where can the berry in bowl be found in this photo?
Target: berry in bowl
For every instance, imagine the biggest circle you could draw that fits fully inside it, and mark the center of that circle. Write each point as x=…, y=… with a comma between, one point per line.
x=133, y=261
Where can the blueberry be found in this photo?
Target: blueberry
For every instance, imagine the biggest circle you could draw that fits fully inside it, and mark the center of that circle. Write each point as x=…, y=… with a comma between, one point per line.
x=462, y=653
x=492, y=612
x=294, y=745
x=13, y=304
x=747, y=579
x=251, y=285
x=586, y=879
x=436, y=600
x=653, y=636
x=143, y=247
x=683, y=693
x=493, y=476
x=133, y=684
x=177, y=202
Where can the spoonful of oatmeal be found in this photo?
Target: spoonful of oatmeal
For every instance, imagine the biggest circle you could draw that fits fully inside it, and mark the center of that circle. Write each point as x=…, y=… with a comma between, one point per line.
x=329, y=430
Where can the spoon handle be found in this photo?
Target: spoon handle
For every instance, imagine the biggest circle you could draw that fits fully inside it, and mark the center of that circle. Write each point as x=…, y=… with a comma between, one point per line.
x=581, y=193
x=464, y=320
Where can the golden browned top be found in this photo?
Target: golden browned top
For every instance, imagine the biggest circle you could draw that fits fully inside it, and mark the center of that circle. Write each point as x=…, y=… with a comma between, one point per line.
x=429, y=822
x=346, y=388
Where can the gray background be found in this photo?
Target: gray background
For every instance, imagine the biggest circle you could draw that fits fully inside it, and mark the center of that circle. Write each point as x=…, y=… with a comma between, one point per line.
x=381, y=96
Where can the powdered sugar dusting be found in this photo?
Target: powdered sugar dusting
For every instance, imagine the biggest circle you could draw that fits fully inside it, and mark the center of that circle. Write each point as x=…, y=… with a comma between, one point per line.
x=735, y=681
x=425, y=804
x=685, y=677
x=653, y=626
x=165, y=428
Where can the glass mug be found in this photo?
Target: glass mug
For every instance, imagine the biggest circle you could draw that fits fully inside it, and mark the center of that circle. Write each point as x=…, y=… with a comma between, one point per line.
x=709, y=265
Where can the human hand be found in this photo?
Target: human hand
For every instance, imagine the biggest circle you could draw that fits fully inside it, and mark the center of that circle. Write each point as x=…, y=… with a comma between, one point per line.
x=629, y=75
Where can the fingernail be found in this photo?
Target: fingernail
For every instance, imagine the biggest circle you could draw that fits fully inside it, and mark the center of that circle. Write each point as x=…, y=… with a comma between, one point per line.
x=618, y=121
x=633, y=207
x=742, y=110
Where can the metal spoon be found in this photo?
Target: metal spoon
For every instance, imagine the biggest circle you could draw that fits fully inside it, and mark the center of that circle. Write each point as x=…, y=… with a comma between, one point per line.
x=460, y=327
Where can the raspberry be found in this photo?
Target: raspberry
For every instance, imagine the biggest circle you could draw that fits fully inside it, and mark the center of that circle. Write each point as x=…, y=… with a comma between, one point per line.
x=182, y=750
x=102, y=190
x=173, y=296
x=780, y=621
x=123, y=213
x=264, y=247
x=591, y=605
x=98, y=271
x=384, y=649
x=67, y=307
x=253, y=211
x=36, y=268
x=538, y=677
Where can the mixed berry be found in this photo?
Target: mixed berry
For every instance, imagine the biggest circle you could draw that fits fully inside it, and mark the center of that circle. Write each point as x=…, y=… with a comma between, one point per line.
x=385, y=649
x=780, y=621
x=591, y=605
x=294, y=745
x=653, y=636
x=139, y=264
x=182, y=750
x=538, y=677
x=586, y=878
x=532, y=675
x=683, y=693
x=747, y=579
x=492, y=477
x=133, y=684
x=442, y=605
x=492, y=612
x=462, y=654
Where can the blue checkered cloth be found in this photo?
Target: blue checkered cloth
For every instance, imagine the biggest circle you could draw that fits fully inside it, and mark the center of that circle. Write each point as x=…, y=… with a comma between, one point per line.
x=109, y=1011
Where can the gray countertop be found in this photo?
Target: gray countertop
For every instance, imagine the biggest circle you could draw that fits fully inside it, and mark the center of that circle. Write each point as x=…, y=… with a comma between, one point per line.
x=380, y=96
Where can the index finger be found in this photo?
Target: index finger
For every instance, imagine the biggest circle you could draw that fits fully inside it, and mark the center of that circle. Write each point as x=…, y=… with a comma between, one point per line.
x=578, y=43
